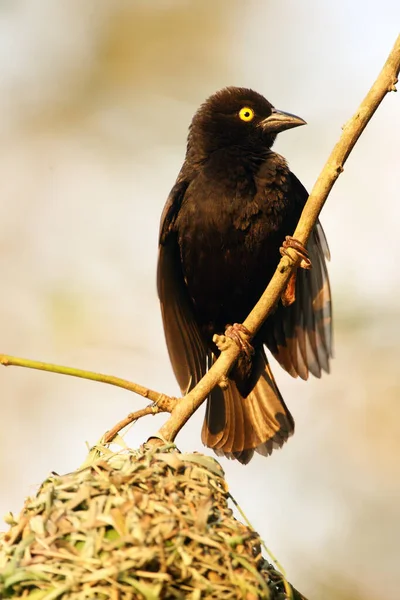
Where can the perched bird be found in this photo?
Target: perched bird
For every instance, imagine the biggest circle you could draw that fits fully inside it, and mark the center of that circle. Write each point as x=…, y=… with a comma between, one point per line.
x=233, y=204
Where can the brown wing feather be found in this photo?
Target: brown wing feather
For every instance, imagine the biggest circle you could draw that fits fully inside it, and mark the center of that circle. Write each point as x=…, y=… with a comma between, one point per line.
x=236, y=427
x=300, y=336
x=186, y=347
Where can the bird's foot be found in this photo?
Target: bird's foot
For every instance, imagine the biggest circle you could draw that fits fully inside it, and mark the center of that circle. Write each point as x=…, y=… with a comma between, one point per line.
x=234, y=331
x=289, y=293
x=299, y=248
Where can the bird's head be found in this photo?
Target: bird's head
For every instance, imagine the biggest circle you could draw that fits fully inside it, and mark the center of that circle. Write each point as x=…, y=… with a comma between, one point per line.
x=238, y=117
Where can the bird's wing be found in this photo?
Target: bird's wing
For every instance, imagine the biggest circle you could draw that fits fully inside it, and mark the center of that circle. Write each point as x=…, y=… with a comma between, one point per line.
x=186, y=346
x=300, y=335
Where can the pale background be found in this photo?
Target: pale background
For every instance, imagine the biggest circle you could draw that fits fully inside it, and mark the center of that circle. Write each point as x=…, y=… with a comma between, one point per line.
x=95, y=101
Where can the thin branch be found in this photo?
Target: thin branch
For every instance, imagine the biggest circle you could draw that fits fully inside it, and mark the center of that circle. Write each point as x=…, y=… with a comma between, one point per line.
x=186, y=406
x=131, y=418
x=163, y=402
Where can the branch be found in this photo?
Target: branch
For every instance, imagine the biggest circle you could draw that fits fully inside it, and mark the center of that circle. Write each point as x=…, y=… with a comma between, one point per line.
x=182, y=409
x=186, y=406
x=153, y=409
x=163, y=402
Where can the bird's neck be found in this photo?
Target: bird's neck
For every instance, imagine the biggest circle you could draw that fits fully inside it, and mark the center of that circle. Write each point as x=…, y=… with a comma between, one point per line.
x=236, y=158
x=235, y=154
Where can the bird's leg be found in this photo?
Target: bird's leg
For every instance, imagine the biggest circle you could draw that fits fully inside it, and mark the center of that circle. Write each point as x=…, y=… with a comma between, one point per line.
x=234, y=331
x=289, y=293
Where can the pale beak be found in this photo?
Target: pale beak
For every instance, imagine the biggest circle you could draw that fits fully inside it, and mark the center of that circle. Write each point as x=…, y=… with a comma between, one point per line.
x=279, y=121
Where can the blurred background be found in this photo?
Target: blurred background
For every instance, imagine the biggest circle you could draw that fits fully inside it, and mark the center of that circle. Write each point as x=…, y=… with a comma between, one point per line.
x=95, y=100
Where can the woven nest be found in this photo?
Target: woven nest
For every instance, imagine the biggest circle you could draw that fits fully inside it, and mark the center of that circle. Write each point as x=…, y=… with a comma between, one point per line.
x=135, y=525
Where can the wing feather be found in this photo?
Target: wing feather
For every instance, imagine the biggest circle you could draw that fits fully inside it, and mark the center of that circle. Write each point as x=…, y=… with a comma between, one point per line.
x=186, y=346
x=300, y=336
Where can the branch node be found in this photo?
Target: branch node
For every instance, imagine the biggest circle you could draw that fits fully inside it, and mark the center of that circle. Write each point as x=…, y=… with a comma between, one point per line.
x=165, y=403
x=223, y=382
x=285, y=263
x=222, y=342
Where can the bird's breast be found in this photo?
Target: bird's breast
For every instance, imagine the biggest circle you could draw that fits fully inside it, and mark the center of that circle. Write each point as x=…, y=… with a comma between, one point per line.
x=233, y=208
x=230, y=227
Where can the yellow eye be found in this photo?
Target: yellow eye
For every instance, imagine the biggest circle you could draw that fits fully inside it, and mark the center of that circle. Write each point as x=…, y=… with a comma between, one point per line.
x=246, y=113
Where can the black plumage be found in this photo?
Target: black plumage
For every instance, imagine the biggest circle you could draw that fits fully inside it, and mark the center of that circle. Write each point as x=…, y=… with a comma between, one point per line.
x=225, y=219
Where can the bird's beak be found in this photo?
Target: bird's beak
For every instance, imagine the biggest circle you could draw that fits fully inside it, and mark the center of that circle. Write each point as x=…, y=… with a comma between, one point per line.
x=279, y=121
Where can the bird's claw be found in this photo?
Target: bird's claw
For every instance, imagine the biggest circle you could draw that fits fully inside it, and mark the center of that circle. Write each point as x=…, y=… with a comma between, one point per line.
x=299, y=248
x=233, y=332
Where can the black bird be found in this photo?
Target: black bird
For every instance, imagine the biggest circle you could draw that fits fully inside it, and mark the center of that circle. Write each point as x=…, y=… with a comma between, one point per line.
x=233, y=204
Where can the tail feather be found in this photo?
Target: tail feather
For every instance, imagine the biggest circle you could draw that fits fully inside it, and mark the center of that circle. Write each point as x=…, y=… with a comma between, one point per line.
x=237, y=426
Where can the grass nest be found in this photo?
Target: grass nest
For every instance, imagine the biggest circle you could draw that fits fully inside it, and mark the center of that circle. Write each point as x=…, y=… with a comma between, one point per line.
x=135, y=525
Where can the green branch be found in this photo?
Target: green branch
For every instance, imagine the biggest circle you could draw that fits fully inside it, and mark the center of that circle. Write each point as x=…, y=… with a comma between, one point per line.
x=162, y=401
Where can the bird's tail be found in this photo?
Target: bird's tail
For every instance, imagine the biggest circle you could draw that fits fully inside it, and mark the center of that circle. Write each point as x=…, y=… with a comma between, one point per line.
x=236, y=424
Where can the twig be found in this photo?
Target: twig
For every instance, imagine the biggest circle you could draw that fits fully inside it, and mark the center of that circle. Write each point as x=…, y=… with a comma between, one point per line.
x=163, y=402
x=108, y=437
x=385, y=83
